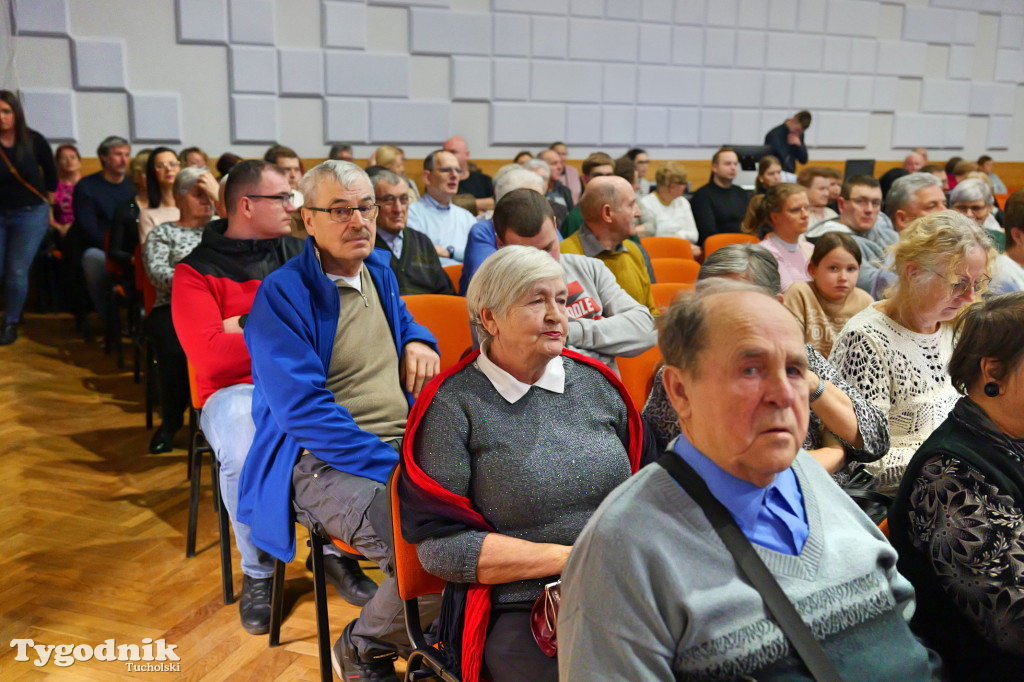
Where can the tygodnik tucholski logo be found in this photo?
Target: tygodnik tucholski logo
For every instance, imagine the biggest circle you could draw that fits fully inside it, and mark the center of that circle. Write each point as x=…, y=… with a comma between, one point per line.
x=150, y=656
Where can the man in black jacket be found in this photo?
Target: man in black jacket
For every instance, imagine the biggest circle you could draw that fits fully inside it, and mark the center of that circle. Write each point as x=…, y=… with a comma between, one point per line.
x=787, y=141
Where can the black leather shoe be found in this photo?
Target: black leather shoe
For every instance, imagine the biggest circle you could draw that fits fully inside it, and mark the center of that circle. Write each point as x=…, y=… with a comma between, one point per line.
x=162, y=441
x=9, y=334
x=345, y=575
x=254, y=605
x=351, y=668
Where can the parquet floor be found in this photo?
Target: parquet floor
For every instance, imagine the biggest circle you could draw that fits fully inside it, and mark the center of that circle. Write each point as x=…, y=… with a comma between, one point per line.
x=92, y=530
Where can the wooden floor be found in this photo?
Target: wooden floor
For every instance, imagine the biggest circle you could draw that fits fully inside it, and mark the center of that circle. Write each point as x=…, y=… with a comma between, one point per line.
x=92, y=530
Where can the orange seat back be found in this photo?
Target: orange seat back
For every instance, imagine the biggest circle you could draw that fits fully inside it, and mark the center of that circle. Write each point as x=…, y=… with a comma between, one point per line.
x=665, y=292
x=1001, y=200
x=717, y=241
x=638, y=374
x=667, y=247
x=447, y=319
x=142, y=282
x=884, y=527
x=345, y=548
x=675, y=270
x=454, y=273
x=413, y=581
x=193, y=387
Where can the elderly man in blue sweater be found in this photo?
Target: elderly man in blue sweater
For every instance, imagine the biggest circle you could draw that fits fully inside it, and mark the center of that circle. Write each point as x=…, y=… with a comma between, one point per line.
x=337, y=361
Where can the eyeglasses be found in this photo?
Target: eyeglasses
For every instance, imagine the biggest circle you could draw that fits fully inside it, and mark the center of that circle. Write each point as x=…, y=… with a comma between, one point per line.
x=449, y=170
x=963, y=286
x=285, y=199
x=174, y=165
x=970, y=209
x=388, y=200
x=343, y=214
x=864, y=202
x=799, y=210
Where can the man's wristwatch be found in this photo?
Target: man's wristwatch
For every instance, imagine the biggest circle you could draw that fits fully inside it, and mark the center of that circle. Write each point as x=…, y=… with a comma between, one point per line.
x=818, y=391
x=451, y=251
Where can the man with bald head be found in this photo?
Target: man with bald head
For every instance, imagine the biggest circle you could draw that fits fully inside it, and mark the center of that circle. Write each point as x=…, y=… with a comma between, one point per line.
x=472, y=182
x=735, y=373
x=556, y=191
x=609, y=212
x=913, y=162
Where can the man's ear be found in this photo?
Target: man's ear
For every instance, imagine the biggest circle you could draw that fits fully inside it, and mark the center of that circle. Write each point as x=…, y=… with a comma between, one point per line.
x=675, y=389
x=307, y=220
x=839, y=204
x=606, y=213
x=899, y=218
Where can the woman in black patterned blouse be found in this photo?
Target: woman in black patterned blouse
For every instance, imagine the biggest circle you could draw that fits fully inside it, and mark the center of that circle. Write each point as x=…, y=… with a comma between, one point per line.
x=958, y=519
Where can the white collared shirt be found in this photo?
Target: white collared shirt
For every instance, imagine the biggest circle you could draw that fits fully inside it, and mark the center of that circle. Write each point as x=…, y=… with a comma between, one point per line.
x=510, y=388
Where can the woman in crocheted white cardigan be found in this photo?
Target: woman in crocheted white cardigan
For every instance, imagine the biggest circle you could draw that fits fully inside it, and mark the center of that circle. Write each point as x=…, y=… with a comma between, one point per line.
x=896, y=351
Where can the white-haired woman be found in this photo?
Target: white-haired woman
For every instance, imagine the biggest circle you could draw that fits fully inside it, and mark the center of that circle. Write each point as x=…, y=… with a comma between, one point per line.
x=166, y=245
x=506, y=456
x=896, y=351
x=973, y=197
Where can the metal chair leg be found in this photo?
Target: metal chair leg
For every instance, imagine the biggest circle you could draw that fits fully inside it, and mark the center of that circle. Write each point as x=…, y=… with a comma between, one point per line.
x=150, y=384
x=323, y=627
x=225, y=532
x=193, y=507
x=277, y=603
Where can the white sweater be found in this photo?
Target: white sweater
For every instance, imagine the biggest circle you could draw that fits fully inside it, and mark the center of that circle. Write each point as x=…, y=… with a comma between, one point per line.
x=903, y=373
x=674, y=220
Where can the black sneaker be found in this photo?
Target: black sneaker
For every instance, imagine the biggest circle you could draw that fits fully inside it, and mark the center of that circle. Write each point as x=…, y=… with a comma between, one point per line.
x=9, y=334
x=345, y=575
x=162, y=441
x=254, y=605
x=351, y=668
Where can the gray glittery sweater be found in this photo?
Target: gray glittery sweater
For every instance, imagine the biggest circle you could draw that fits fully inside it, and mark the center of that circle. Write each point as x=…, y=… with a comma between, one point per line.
x=535, y=469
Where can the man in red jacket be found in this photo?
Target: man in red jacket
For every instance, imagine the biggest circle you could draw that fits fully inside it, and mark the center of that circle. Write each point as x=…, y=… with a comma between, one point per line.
x=213, y=290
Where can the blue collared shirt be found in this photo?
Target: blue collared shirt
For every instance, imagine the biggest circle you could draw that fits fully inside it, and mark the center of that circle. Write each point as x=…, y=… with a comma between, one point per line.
x=773, y=516
x=445, y=225
x=394, y=241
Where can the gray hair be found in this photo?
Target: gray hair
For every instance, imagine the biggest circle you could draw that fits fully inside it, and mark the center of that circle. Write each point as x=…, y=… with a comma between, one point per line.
x=381, y=174
x=971, y=189
x=536, y=164
x=505, y=169
x=109, y=143
x=517, y=178
x=502, y=278
x=345, y=172
x=904, y=189
x=683, y=328
x=750, y=261
x=186, y=179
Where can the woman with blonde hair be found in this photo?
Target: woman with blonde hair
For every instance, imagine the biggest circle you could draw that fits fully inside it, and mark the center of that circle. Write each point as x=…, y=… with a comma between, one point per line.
x=895, y=352
x=393, y=158
x=779, y=218
x=674, y=217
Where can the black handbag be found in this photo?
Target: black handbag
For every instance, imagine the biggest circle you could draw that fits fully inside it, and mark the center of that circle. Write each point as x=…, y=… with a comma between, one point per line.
x=861, y=489
x=751, y=566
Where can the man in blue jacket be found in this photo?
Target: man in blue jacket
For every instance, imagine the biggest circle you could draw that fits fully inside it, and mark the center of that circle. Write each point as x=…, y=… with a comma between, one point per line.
x=336, y=362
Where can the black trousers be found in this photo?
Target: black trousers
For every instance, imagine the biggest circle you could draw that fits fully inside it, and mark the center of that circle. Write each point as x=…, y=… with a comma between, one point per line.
x=511, y=653
x=172, y=367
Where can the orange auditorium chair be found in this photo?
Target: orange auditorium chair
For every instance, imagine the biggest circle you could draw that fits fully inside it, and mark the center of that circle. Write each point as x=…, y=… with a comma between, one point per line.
x=665, y=292
x=717, y=241
x=447, y=318
x=638, y=374
x=675, y=270
x=667, y=247
x=454, y=273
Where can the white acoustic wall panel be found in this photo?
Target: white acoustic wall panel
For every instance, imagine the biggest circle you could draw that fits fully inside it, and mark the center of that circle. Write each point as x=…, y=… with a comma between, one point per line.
x=715, y=127
x=301, y=72
x=819, y=91
x=852, y=17
x=897, y=58
x=583, y=124
x=412, y=3
x=730, y=88
x=961, y=61
x=722, y=12
x=683, y=126
x=886, y=92
x=155, y=116
x=655, y=44
x=842, y=129
x=409, y=122
x=627, y=10
x=202, y=21
x=52, y=113
x=253, y=69
x=753, y=14
x=353, y=74
x=928, y=24
x=587, y=8
x=782, y=14
x=1010, y=66
x=343, y=24
x=620, y=83
x=253, y=119
x=1011, y=32
x=811, y=17
x=1012, y=7
x=691, y=12
x=863, y=55
x=719, y=47
x=252, y=21
x=346, y=120
x=656, y=10
x=859, y=93
x=651, y=126
x=471, y=78
x=602, y=40
x=98, y=64
x=795, y=52
x=617, y=125
x=751, y=47
x=992, y=98
x=40, y=17
x=526, y=123
x=778, y=89
x=955, y=135
x=1000, y=132
x=687, y=46
x=550, y=37
x=532, y=6
x=918, y=130
x=557, y=81
x=771, y=118
x=511, y=79
x=837, y=55
x=672, y=85
x=945, y=97
x=511, y=35
x=965, y=26
x=434, y=31
x=746, y=127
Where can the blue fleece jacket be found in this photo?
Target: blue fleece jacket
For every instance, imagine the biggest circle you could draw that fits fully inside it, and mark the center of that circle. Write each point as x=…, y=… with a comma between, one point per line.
x=290, y=335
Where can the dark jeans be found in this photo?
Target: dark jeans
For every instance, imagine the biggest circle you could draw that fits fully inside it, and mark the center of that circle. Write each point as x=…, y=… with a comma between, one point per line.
x=21, y=232
x=510, y=651
x=172, y=367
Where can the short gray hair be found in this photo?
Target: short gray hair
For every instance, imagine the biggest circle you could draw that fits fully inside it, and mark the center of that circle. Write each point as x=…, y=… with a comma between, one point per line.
x=753, y=262
x=971, y=189
x=110, y=142
x=345, y=172
x=517, y=178
x=186, y=179
x=539, y=164
x=683, y=328
x=904, y=189
x=381, y=174
x=502, y=278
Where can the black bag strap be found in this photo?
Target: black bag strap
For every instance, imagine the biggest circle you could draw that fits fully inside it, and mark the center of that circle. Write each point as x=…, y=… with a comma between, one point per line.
x=750, y=564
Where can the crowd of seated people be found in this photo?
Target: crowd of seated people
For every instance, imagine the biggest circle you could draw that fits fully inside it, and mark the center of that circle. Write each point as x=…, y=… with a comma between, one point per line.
x=522, y=463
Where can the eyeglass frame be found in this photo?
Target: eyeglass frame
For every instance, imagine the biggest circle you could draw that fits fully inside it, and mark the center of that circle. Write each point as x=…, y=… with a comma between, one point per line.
x=390, y=199
x=285, y=199
x=978, y=285
x=348, y=212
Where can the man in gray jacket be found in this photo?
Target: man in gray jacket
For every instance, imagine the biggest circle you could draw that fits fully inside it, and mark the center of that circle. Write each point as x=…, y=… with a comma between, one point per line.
x=604, y=320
